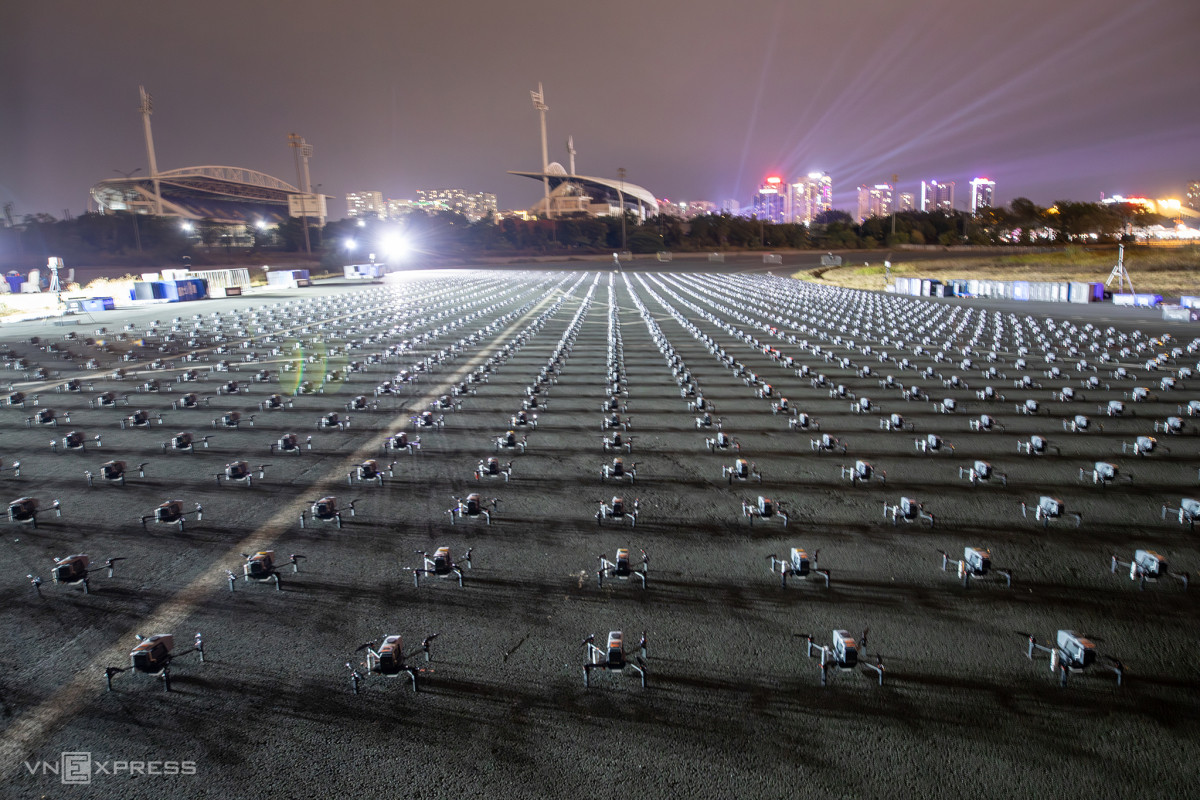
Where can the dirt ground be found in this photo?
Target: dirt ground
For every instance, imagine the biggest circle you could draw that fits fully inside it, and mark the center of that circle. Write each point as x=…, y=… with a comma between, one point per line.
x=733, y=705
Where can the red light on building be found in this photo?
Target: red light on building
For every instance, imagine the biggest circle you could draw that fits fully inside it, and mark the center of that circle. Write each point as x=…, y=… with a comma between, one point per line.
x=774, y=179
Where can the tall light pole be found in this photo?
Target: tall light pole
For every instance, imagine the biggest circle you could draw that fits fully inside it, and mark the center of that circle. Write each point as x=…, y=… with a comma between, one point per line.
x=539, y=104
x=621, y=200
x=894, y=196
x=147, y=108
x=301, y=147
x=137, y=234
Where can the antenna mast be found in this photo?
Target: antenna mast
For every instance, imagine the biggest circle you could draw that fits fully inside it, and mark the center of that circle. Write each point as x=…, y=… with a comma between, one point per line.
x=571, y=152
x=1119, y=272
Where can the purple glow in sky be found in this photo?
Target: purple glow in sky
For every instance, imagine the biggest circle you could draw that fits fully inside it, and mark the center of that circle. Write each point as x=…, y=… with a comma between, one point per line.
x=697, y=100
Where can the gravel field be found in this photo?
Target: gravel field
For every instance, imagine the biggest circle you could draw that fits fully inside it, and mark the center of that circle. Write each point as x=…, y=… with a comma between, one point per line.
x=732, y=704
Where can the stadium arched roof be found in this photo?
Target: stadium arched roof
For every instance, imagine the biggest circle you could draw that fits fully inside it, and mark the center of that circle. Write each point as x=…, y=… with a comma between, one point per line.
x=596, y=187
x=234, y=195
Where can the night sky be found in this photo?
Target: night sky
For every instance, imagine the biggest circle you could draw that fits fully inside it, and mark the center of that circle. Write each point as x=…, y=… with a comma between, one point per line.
x=1053, y=99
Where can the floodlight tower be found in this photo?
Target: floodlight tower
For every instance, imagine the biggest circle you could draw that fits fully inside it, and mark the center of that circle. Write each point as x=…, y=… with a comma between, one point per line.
x=571, y=152
x=539, y=104
x=147, y=108
x=302, y=149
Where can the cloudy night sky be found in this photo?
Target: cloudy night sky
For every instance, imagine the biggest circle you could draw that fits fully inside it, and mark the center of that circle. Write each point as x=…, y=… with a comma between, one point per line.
x=698, y=100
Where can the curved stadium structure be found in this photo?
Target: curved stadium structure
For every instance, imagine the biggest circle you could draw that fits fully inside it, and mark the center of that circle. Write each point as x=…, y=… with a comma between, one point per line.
x=230, y=195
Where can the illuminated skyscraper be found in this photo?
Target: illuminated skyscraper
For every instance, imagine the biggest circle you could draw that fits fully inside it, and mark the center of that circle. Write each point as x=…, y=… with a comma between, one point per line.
x=1192, y=200
x=811, y=196
x=874, y=201
x=905, y=201
x=472, y=205
x=365, y=204
x=982, y=193
x=772, y=202
x=937, y=196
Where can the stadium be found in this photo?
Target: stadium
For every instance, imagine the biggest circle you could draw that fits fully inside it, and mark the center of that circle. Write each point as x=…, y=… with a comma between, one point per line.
x=581, y=194
x=228, y=195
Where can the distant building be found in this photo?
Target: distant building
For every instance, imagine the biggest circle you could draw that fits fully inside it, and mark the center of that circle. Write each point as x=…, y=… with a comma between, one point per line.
x=1192, y=200
x=399, y=208
x=731, y=207
x=905, y=201
x=771, y=203
x=365, y=204
x=686, y=209
x=983, y=193
x=812, y=195
x=472, y=205
x=874, y=201
x=937, y=196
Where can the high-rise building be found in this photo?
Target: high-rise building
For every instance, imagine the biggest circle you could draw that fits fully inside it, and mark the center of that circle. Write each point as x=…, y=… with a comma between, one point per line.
x=905, y=201
x=937, y=196
x=874, y=201
x=1192, y=200
x=983, y=192
x=398, y=208
x=731, y=207
x=812, y=195
x=472, y=205
x=771, y=204
x=364, y=204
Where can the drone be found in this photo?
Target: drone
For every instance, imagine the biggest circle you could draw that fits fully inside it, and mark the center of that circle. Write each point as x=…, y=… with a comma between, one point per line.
x=1188, y=511
x=332, y=420
x=798, y=567
x=842, y=653
x=1037, y=446
x=616, y=441
x=932, y=443
x=615, y=421
x=1073, y=653
x=390, y=660
x=275, y=402
x=616, y=509
x=1050, y=508
x=1148, y=565
x=1172, y=425
x=862, y=471
x=1103, y=473
x=73, y=571
x=613, y=658
x=985, y=423
x=492, y=468
x=290, y=443
x=1078, y=424
x=619, y=469
x=153, y=656
x=369, y=470
x=231, y=419
x=184, y=442
x=473, y=506
x=426, y=419
x=171, y=513
x=510, y=441
x=102, y=400
x=442, y=565
x=803, y=422
x=981, y=472
x=261, y=567
x=400, y=441
x=189, y=400
x=240, y=471
x=25, y=509
x=976, y=563
x=114, y=472
x=827, y=443
x=781, y=407
x=707, y=420
x=1143, y=445
x=138, y=419
x=521, y=418
x=45, y=416
x=741, y=470
x=722, y=441
x=75, y=440
x=907, y=510
x=361, y=403
x=621, y=567
x=765, y=508
x=326, y=510
x=895, y=422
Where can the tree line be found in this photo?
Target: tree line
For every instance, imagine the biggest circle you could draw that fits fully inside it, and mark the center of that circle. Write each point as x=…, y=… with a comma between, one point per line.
x=152, y=241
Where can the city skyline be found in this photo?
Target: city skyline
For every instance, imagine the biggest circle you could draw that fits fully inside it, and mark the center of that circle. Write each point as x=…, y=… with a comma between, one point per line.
x=715, y=119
